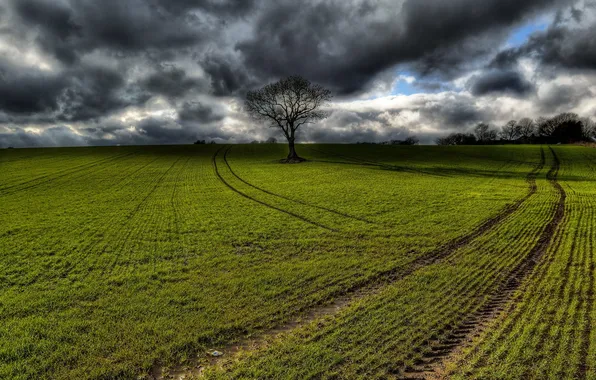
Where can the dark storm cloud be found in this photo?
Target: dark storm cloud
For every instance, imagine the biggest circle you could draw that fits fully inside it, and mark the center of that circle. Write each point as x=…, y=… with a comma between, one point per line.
x=344, y=45
x=78, y=94
x=138, y=33
x=24, y=91
x=164, y=131
x=95, y=92
x=500, y=82
x=218, y=7
x=70, y=28
x=228, y=75
x=54, y=21
x=564, y=45
x=172, y=82
x=87, y=65
x=199, y=113
x=452, y=112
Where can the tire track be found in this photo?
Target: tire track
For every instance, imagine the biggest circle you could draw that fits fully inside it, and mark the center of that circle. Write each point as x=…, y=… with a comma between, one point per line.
x=244, y=195
x=345, y=215
x=340, y=300
x=444, y=350
x=579, y=279
x=511, y=314
x=569, y=278
x=584, y=367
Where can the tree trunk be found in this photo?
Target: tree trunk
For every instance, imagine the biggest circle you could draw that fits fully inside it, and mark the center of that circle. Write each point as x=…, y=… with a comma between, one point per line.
x=292, y=155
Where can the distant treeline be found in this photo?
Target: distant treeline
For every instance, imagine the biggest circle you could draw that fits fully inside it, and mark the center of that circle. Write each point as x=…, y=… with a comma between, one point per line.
x=270, y=140
x=201, y=142
x=412, y=140
x=565, y=128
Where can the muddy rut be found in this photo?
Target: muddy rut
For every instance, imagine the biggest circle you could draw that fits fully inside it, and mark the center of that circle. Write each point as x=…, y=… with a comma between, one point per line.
x=448, y=348
x=195, y=366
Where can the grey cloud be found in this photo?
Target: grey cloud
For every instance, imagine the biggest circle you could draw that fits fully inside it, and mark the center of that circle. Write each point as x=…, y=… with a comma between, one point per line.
x=96, y=92
x=218, y=7
x=564, y=45
x=107, y=56
x=54, y=136
x=149, y=131
x=344, y=45
x=500, y=82
x=68, y=29
x=228, y=75
x=29, y=95
x=563, y=97
x=173, y=82
x=27, y=92
x=452, y=112
x=444, y=112
x=54, y=23
x=200, y=113
x=350, y=126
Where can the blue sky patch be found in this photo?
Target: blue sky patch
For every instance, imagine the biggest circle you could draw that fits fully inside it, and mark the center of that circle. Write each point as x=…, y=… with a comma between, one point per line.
x=521, y=34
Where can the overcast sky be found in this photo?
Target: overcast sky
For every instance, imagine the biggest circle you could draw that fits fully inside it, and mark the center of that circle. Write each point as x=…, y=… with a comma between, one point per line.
x=90, y=72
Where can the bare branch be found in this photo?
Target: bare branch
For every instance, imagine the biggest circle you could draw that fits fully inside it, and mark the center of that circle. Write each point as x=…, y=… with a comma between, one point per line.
x=288, y=104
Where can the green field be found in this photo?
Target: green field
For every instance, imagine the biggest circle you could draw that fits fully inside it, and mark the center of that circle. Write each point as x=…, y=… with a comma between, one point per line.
x=367, y=261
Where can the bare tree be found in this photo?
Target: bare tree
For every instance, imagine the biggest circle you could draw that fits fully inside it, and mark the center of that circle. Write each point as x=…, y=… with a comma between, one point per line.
x=457, y=139
x=589, y=128
x=288, y=104
x=484, y=133
x=510, y=131
x=544, y=126
x=527, y=128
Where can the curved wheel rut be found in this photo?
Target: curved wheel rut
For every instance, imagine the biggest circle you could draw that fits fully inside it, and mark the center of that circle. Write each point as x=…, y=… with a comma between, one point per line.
x=244, y=195
x=195, y=366
x=345, y=215
x=444, y=350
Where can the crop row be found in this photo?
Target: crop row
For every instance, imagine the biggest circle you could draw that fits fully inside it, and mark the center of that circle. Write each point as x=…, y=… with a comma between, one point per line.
x=548, y=332
x=108, y=269
x=390, y=333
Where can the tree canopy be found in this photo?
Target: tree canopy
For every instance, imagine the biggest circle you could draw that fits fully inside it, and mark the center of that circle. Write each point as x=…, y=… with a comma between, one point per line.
x=288, y=104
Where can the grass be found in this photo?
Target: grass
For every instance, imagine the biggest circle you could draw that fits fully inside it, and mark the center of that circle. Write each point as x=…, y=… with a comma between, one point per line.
x=116, y=259
x=547, y=333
